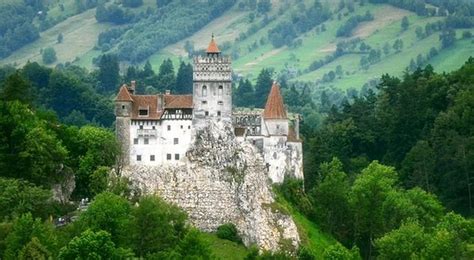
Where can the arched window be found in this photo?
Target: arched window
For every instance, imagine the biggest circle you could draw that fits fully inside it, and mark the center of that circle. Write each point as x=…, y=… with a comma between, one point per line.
x=220, y=90
x=204, y=91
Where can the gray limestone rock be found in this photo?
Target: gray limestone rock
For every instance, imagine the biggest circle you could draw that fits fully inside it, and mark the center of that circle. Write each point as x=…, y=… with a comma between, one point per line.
x=221, y=181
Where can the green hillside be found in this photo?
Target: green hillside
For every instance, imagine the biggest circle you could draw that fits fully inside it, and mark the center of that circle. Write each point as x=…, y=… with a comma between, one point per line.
x=243, y=33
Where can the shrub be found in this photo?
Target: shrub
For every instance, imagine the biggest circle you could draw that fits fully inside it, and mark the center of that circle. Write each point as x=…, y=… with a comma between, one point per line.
x=228, y=231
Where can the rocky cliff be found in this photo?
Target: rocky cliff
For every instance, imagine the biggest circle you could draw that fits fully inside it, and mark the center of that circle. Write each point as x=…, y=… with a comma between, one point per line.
x=222, y=180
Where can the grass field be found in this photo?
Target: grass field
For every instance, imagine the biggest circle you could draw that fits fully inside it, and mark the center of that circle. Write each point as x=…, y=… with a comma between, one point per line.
x=225, y=249
x=80, y=34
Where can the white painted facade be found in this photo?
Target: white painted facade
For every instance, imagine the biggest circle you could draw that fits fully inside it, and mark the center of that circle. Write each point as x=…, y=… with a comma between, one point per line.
x=159, y=142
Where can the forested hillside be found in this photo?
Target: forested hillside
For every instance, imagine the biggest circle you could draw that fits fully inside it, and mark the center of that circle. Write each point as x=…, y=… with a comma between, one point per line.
x=384, y=87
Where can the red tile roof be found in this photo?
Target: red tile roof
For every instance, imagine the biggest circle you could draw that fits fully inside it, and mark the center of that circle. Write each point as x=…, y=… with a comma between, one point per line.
x=123, y=94
x=275, y=109
x=149, y=102
x=213, y=47
x=178, y=101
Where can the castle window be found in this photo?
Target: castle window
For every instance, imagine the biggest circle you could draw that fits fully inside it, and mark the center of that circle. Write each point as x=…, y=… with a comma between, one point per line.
x=141, y=126
x=168, y=156
x=139, y=158
x=274, y=155
x=146, y=141
x=220, y=103
x=135, y=140
x=153, y=127
x=189, y=127
x=220, y=90
x=152, y=158
x=206, y=113
x=123, y=106
x=176, y=156
x=176, y=141
x=278, y=126
x=218, y=113
x=204, y=102
x=204, y=91
x=169, y=128
x=143, y=112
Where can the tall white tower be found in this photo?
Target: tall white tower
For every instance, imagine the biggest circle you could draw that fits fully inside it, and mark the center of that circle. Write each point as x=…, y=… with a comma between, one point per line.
x=212, y=90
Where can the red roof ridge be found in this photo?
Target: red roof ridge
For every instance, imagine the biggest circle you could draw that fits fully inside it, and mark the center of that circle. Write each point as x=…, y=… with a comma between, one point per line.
x=212, y=48
x=275, y=108
x=123, y=94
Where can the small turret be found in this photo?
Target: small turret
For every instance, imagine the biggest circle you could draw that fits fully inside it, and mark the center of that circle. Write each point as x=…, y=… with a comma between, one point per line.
x=275, y=115
x=123, y=113
x=212, y=49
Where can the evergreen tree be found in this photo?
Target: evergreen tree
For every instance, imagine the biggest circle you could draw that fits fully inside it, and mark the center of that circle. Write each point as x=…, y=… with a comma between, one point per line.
x=447, y=38
x=405, y=23
x=184, y=79
x=49, y=55
x=17, y=88
x=108, y=75
x=244, y=96
x=166, y=79
x=263, y=86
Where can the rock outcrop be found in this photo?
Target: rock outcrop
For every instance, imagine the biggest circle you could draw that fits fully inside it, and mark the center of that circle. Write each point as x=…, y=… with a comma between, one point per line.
x=221, y=181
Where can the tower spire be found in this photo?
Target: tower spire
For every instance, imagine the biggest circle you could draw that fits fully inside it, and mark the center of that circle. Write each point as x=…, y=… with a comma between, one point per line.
x=212, y=48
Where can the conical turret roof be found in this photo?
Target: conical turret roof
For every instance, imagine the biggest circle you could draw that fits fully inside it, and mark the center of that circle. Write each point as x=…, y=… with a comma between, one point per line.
x=123, y=94
x=212, y=48
x=275, y=108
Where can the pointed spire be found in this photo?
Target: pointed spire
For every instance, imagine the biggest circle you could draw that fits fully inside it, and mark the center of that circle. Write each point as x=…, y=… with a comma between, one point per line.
x=213, y=49
x=275, y=109
x=123, y=94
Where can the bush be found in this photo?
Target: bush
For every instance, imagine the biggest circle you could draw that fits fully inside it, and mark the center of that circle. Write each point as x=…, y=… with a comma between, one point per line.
x=49, y=55
x=228, y=231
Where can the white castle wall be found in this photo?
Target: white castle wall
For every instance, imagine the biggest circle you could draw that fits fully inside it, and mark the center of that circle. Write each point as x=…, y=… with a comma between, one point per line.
x=161, y=144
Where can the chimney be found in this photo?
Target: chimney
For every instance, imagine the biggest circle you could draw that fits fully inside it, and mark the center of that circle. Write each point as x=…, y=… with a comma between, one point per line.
x=167, y=92
x=161, y=102
x=133, y=86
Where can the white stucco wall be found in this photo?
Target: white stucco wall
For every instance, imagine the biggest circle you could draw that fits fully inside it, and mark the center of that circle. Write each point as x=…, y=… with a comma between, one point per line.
x=162, y=144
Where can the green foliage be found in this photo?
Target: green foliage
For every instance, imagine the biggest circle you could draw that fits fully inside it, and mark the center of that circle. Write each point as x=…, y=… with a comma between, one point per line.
x=331, y=200
x=192, y=246
x=34, y=250
x=405, y=23
x=16, y=28
x=403, y=243
x=244, y=95
x=93, y=245
x=346, y=29
x=29, y=149
x=262, y=87
x=30, y=235
x=17, y=88
x=338, y=252
x=181, y=20
x=156, y=226
x=110, y=213
x=49, y=55
x=99, y=180
x=228, y=231
x=109, y=72
x=184, y=79
x=166, y=79
x=132, y=3
x=18, y=197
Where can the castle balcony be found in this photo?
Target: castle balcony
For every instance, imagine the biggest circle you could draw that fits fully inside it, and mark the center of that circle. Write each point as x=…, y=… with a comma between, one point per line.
x=147, y=132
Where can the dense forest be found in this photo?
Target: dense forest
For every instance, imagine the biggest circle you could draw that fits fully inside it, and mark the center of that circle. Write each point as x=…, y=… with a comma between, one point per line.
x=389, y=165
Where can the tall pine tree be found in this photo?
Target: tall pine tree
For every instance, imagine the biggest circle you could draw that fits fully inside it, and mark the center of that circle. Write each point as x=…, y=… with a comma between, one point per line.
x=184, y=79
x=263, y=86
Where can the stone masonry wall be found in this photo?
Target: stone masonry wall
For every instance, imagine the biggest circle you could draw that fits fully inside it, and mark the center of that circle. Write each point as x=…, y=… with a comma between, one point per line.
x=222, y=181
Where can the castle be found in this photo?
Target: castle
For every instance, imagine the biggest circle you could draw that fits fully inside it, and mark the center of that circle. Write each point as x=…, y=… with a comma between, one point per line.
x=159, y=129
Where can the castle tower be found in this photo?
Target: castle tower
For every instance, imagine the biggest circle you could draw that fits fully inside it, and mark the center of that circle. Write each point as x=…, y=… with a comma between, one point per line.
x=274, y=115
x=123, y=113
x=212, y=90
